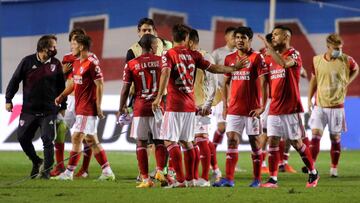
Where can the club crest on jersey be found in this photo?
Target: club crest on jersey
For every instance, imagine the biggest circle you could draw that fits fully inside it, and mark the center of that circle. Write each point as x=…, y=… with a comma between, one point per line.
x=78, y=79
x=81, y=70
x=21, y=122
x=52, y=67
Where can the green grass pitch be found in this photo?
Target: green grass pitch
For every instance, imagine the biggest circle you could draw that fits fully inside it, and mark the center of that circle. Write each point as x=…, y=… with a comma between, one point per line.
x=15, y=166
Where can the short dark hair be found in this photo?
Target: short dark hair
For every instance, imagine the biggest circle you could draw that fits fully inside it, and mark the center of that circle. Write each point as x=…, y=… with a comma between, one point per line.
x=244, y=31
x=180, y=31
x=284, y=28
x=146, y=41
x=268, y=37
x=334, y=39
x=45, y=42
x=76, y=31
x=229, y=29
x=194, y=36
x=147, y=21
x=84, y=40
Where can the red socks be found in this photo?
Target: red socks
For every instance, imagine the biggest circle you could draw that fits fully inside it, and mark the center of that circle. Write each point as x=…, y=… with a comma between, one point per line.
x=102, y=159
x=160, y=155
x=73, y=161
x=176, y=161
x=273, y=160
x=86, y=157
x=315, y=146
x=141, y=154
x=281, y=151
x=59, y=155
x=306, y=157
x=189, y=159
x=197, y=162
x=218, y=138
x=335, y=153
x=232, y=156
x=205, y=156
x=213, y=160
x=257, y=160
x=306, y=141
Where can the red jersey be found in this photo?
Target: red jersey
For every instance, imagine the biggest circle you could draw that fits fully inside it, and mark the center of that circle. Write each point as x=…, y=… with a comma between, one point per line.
x=85, y=73
x=183, y=63
x=145, y=72
x=284, y=85
x=245, y=94
x=70, y=58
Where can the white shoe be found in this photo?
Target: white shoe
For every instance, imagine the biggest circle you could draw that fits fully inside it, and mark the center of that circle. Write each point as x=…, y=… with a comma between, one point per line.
x=202, y=183
x=107, y=177
x=333, y=172
x=63, y=176
x=191, y=183
x=216, y=175
x=176, y=184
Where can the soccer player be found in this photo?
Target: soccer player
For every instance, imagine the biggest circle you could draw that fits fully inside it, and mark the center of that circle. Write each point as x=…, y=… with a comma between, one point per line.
x=285, y=108
x=219, y=57
x=204, y=92
x=178, y=68
x=244, y=108
x=146, y=26
x=284, y=145
x=144, y=71
x=333, y=72
x=88, y=86
x=68, y=120
x=43, y=80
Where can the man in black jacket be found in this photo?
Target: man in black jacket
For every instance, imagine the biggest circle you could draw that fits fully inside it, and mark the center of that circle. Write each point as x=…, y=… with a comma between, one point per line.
x=43, y=79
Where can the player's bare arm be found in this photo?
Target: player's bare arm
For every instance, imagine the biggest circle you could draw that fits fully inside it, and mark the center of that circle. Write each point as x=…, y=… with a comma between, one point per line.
x=123, y=97
x=225, y=89
x=99, y=93
x=264, y=97
x=284, y=62
x=215, y=68
x=353, y=74
x=68, y=90
x=312, y=90
x=164, y=80
x=210, y=91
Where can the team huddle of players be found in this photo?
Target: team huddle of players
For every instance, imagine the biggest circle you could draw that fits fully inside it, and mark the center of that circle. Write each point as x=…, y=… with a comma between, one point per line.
x=174, y=87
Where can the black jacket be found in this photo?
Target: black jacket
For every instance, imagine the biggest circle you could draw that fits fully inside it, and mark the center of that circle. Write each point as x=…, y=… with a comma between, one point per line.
x=42, y=83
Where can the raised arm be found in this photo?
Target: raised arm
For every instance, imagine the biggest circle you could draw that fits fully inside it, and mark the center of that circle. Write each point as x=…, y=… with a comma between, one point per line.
x=284, y=62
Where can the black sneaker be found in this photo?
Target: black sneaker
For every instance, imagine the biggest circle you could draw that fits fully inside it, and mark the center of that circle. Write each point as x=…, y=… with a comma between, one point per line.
x=304, y=169
x=282, y=168
x=36, y=169
x=313, y=180
x=44, y=175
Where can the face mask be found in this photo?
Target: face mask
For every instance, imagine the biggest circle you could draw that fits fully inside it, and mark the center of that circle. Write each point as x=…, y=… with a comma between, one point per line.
x=336, y=53
x=51, y=53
